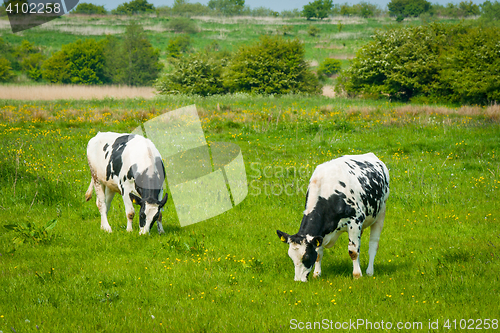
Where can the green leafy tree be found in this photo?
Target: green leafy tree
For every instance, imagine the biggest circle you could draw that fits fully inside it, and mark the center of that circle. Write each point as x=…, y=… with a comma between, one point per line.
x=272, y=65
x=227, y=7
x=319, y=9
x=183, y=7
x=89, y=9
x=81, y=62
x=134, y=7
x=408, y=8
x=490, y=13
x=452, y=63
x=137, y=61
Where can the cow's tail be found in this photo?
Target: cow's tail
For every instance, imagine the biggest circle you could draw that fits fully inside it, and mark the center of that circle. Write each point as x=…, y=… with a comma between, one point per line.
x=88, y=194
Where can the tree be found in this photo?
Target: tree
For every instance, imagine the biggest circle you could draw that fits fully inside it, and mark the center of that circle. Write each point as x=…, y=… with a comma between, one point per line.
x=407, y=8
x=318, y=9
x=490, y=13
x=30, y=59
x=134, y=7
x=227, y=7
x=272, y=65
x=81, y=62
x=89, y=9
x=136, y=60
x=177, y=46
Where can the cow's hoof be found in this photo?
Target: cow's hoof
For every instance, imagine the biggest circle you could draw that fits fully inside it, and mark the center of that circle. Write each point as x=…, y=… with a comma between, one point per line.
x=356, y=275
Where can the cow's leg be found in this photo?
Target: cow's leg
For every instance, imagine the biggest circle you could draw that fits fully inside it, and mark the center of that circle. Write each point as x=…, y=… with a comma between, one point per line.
x=101, y=204
x=375, y=231
x=328, y=242
x=317, y=264
x=129, y=210
x=159, y=225
x=108, y=195
x=354, y=232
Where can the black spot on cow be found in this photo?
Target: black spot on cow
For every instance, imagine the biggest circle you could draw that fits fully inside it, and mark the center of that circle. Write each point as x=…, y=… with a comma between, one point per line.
x=326, y=215
x=342, y=184
x=115, y=161
x=105, y=147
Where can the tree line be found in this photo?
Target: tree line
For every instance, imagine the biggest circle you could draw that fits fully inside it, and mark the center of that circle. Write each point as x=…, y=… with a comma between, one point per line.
x=131, y=61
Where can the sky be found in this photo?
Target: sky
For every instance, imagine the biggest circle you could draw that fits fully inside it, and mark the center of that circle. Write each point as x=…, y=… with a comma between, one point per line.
x=276, y=5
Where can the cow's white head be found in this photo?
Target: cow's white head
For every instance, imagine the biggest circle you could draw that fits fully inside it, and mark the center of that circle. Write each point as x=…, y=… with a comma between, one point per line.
x=302, y=250
x=150, y=211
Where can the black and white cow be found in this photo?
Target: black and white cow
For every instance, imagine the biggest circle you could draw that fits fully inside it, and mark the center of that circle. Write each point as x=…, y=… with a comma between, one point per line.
x=345, y=194
x=132, y=166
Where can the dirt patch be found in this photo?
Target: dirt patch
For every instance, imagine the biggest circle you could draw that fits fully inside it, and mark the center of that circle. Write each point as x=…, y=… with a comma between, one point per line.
x=328, y=91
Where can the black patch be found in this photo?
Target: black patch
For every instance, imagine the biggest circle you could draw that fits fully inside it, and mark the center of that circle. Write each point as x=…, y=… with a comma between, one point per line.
x=342, y=184
x=326, y=215
x=105, y=147
x=115, y=161
x=309, y=257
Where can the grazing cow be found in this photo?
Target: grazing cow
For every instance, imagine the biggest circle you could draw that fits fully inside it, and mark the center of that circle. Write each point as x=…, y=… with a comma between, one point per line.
x=345, y=194
x=130, y=165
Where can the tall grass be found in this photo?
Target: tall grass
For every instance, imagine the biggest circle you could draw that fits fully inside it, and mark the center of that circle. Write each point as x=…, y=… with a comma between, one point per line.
x=439, y=251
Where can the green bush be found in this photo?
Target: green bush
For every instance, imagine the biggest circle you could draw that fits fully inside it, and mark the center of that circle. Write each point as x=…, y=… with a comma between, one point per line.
x=30, y=59
x=454, y=63
x=490, y=13
x=81, y=62
x=329, y=67
x=6, y=73
x=182, y=25
x=408, y=8
x=177, y=46
x=89, y=9
x=317, y=9
x=197, y=74
x=134, y=7
x=272, y=65
x=313, y=30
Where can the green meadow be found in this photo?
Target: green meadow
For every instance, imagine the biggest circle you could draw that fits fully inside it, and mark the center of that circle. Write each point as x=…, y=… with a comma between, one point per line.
x=437, y=264
x=437, y=268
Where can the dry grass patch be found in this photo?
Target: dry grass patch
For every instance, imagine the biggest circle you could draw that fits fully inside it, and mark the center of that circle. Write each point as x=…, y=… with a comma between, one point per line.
x=57, y=92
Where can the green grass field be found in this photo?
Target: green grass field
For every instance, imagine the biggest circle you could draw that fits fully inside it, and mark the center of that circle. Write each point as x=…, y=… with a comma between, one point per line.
x=439, y=251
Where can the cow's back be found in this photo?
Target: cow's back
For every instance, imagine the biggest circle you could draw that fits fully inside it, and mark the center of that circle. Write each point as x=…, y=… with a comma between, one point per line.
x=362, y=181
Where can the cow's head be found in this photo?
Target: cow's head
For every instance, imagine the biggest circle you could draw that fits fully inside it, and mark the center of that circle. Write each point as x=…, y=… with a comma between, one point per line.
x=150, y=211
x=303, y=252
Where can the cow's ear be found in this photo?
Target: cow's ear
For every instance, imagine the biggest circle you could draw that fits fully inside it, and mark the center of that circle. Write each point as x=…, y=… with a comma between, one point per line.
x=163, y=201
x=316, y=241
x=283, y=236
x=135, y=199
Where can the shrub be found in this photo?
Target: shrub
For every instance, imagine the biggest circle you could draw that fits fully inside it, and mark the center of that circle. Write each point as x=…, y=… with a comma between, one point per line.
x=81, y=62
x=329, y=67
x=89, y=9
x=6, y=73
x=177, y=46
x=134, y=7
x=313, y=30
x=198, y=74
x=30, y=59
x=182, y=25
x=444, y=62
x=407, y=8
x=272, y=65
x=317, y=9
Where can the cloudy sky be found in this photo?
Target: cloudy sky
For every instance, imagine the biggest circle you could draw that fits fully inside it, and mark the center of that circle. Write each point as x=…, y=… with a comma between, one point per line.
x=277, y=5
